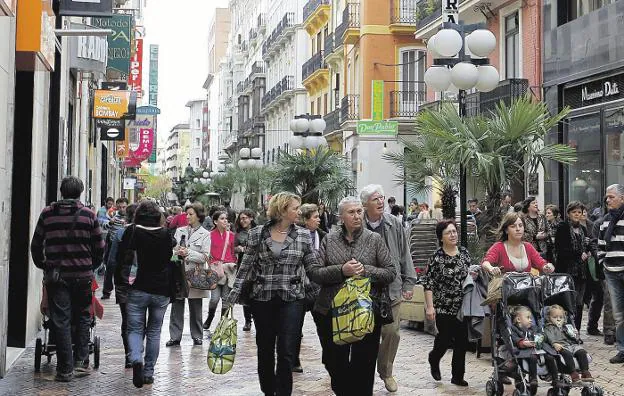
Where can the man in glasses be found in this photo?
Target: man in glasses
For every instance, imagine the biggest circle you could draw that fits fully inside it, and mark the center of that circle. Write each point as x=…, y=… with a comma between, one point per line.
x=391, y=230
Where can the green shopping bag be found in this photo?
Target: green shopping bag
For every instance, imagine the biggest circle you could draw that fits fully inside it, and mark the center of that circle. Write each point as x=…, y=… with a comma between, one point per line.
x=222, y=348
x=591, y=265
x=352, y=311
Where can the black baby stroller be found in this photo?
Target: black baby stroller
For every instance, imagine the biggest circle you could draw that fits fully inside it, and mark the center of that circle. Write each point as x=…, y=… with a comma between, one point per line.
x=47, y=345
x=517, y=289
x=559, y=289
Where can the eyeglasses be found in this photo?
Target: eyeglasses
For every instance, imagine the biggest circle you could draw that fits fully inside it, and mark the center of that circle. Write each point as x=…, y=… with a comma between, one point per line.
x=380, y=198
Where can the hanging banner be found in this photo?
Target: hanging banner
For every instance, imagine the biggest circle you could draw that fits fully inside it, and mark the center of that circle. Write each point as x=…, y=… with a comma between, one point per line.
x=114, y=104
x=86, y=8
x=119, y=51
x=135, y=78
x=377, y=103
x=152, y=157
x=153, y=75
x=122, y=148
x=135, y=137
x=143, y=150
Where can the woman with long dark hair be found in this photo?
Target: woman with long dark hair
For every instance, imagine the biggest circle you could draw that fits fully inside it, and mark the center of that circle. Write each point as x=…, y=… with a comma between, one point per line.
x=148, y=284
x=535, y=226
x=244, y=223
x=221, y=254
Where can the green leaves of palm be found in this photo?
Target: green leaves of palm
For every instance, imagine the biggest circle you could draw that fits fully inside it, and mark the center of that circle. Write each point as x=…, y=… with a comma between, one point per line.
x=314, y=175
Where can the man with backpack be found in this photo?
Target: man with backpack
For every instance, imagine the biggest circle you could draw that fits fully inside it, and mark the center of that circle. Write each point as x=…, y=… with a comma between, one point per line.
x=67, y=245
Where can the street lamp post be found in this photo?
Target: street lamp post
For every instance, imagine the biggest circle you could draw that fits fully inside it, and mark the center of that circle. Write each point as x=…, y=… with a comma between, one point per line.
x=460, y=57
x=252, y=159
x=307, y=132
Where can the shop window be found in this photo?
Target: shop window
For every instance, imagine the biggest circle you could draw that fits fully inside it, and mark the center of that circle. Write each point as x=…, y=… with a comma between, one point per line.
x=585, y=175
x=578, y=8
x=512, y=46
x=614, y=146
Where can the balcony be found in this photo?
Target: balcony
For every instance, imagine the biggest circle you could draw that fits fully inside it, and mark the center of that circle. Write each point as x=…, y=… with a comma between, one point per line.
x=403, y=16
x=349, y=30
x=332, y=120
x=315, y=74
x=427, y=11
x=278, y=35
x=240, y=87
x=328, y=49
x=261, y=24
x=253, y=36
x=279, y=91
x=406, y=103
x=316, y=13
x=349, y=108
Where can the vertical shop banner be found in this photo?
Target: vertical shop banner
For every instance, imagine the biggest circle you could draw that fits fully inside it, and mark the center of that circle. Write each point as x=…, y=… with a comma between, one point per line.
x=152, y=157
x=153, y=75
x=138, y=137
x=143, y=150
x=135, y=78
x=119, y=44
x=377, y=102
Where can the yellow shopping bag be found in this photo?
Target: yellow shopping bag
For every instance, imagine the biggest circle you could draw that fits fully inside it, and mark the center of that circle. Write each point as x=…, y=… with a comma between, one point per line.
x=352, y=311
x=222, y=348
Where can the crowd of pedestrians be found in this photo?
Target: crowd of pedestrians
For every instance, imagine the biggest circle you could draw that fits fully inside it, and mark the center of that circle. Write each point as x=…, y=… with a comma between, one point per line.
x=295, y=262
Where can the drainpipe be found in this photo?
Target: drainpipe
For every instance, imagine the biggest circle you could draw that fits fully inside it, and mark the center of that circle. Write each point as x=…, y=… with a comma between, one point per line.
x=83, y=156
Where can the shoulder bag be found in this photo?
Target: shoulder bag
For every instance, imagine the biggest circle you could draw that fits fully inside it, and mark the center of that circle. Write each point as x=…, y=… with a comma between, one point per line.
x=202, y=276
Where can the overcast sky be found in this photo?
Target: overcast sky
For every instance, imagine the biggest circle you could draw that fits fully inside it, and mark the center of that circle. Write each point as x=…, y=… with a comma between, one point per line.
x=180, y=28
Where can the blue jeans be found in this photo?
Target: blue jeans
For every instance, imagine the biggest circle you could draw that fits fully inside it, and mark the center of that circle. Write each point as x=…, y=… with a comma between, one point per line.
x=69, y=301
x=139, y=304
x=278, y=324
x=615, y=282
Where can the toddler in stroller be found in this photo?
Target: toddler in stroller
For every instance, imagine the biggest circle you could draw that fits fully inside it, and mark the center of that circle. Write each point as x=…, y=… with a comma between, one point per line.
x=564, y=338
x=528, y=339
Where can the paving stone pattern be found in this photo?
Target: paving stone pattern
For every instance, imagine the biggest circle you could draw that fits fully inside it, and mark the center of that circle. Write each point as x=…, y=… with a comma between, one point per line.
x=183, y=370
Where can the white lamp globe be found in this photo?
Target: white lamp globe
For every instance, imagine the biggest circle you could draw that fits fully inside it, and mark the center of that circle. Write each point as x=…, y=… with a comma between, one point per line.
x=206, y=174
x=317, y=125
x=296, y=142
x=311, y=142
x=242, y=163
x=438, y=78
x=488, y=78
x=464, y=75
x=301, y=125
x=431, y=47
x=452, y=88
x=293, y=124
x=448, y=42
x=322, y=141
x=481, y=42
x=195, y=180
x=244, y=153
x=256, y=152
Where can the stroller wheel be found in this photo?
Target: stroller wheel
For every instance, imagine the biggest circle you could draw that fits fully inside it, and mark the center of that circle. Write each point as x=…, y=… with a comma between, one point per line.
x=96, y=352
x=38, y=353
x=490, y=388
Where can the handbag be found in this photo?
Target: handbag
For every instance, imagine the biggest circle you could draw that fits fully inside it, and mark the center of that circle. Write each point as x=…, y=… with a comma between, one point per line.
x=222, y=349
x=382, y=305
x=201, y=276
x=352, y=313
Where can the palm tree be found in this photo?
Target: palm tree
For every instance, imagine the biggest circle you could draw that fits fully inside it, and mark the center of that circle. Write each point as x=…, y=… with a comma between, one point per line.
x=315, y=175
x=496, y=149
x=249, y=182
x=419, y=163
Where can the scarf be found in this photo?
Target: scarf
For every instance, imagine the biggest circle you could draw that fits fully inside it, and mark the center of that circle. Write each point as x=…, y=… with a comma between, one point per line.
x=578, y=239
x=615, y=214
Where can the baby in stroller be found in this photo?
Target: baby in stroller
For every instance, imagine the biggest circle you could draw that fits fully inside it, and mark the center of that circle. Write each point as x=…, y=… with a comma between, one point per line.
x=564, y=338
x=528, y=339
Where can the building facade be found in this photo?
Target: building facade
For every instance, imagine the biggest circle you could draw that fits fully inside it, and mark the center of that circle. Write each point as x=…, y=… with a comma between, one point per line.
x=583, y=70
x=178, y=152
x=196, y=124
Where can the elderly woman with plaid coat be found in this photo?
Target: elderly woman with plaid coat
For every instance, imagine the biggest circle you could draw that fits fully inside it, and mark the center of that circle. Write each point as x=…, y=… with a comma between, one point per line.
x=276, y=260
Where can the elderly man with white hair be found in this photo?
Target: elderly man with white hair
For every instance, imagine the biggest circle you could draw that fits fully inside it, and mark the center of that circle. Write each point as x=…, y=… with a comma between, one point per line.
x=391, y=230
x=611, y=257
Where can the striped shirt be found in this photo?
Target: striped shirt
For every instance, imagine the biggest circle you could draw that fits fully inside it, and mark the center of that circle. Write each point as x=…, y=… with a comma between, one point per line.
x=611, y=256
x=68, y=236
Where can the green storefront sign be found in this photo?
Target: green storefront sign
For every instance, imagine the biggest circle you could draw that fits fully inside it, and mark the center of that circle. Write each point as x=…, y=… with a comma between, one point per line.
x=384, y=128
x=153, y=75
x=377, y=101
x=119, y=44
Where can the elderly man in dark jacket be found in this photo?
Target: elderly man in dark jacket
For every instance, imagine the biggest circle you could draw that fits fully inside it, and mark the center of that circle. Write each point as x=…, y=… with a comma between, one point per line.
x=611, y=258
x=68, y=245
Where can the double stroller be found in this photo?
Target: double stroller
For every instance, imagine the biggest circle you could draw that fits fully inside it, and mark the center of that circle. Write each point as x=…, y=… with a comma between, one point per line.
x=536, y=293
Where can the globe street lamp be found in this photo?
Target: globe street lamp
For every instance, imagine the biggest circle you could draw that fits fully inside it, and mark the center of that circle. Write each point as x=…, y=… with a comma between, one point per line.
x=460, y=58
x=250, y=158
x=307, y=132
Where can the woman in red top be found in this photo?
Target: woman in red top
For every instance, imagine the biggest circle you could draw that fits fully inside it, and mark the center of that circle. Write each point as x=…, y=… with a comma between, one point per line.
x=510, y=253
x=221, y=252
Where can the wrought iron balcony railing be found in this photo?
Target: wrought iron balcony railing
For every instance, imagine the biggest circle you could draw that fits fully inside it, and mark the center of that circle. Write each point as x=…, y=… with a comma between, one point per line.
x=313, y=64
x=403, y=11
x=286, y=84
x=332, y=120
x=329, y=44
x=311, y=6
x=406, y=103
x=350, y=108
x=286, y=22
x=350, y=19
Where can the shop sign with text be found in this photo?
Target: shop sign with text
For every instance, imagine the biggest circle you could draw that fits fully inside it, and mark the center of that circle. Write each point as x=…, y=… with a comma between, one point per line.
x=119, y=51
x=114, y=104
x=384, y=128
x=595, y=92
x=135, y=77
x=153, y=75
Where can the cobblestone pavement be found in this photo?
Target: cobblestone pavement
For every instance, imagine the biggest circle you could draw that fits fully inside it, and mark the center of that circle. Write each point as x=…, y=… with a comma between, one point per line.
x=183, y=370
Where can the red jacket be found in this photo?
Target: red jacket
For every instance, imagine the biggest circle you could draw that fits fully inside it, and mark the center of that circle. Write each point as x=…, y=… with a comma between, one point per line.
x=217, y=242
x=179, y=220
x=497, y=256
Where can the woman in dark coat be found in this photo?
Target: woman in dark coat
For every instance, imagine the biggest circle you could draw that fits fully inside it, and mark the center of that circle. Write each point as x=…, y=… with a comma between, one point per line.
x=244, y=223
x=572, y=249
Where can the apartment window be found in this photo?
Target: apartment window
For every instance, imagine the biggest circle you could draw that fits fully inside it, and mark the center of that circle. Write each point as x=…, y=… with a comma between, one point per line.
x=325, y=103
x=578, y=8
x=312, y=107
x=197, y=142
x=318, y=105
x=318, y=42
x=413, y=65
x=197, y=162
x=197, y=123
x=512, y=46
